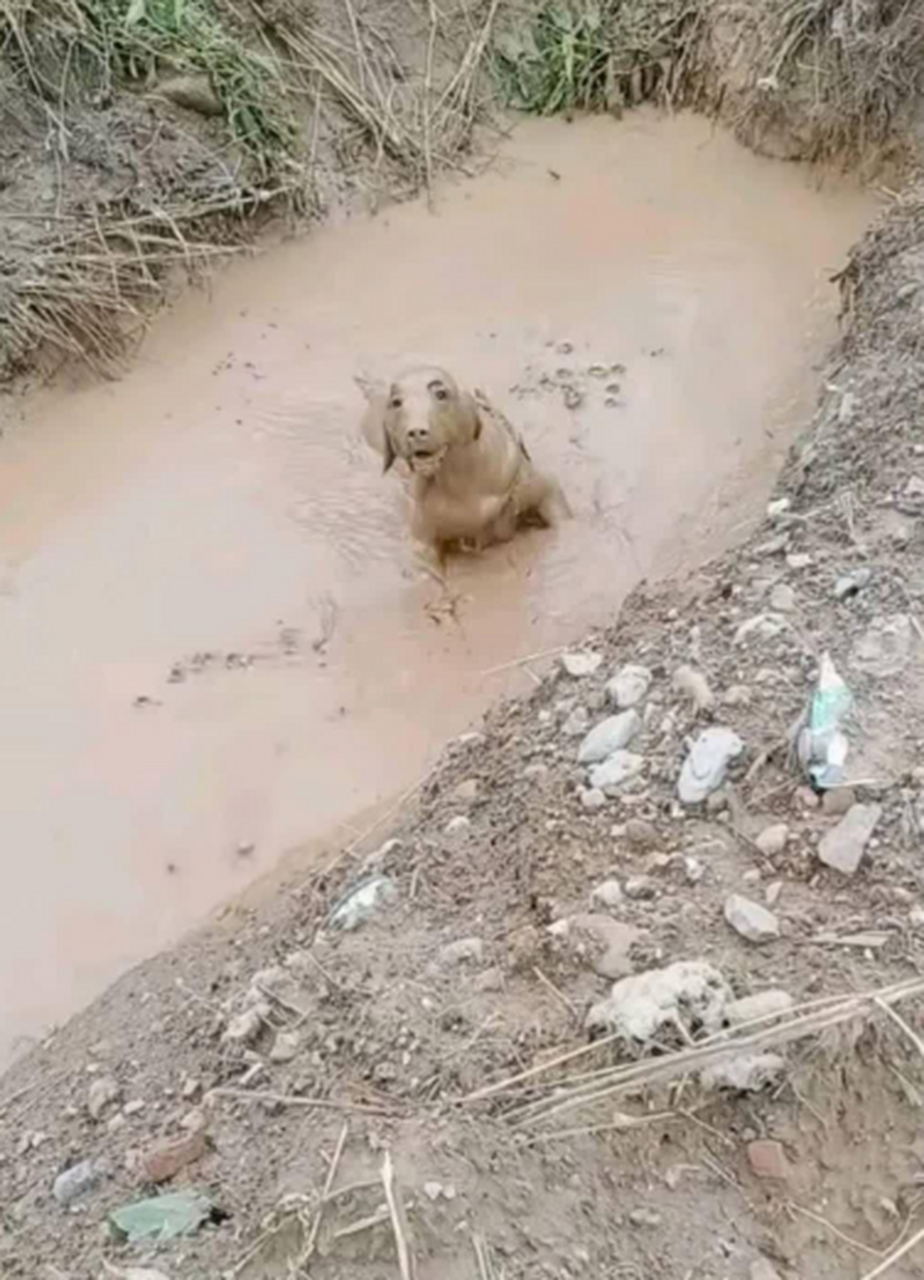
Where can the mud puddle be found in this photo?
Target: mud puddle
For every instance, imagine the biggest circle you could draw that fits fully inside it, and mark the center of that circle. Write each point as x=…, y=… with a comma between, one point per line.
x=215, y=643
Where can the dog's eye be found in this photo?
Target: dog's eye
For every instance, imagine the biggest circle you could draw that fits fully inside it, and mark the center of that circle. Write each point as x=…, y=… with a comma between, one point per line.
x=441, y=393
x=395, y=403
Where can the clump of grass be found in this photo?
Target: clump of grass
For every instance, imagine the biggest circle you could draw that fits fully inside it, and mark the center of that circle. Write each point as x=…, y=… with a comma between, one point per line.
x=89, y=47
x=558, y=61
x=578, y=54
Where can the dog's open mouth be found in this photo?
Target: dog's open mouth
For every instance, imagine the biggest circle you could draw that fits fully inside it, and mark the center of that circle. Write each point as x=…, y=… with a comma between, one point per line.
x=426, y=462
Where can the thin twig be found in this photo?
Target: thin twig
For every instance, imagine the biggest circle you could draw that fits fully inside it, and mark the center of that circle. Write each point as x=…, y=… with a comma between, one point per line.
x=895, y=1256
x=290, y=1100
x=308, y=1251
x=823, y=1222
x=398, y=1219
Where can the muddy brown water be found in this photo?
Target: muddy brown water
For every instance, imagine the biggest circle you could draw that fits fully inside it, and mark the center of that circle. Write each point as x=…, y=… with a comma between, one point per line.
x=210, y=534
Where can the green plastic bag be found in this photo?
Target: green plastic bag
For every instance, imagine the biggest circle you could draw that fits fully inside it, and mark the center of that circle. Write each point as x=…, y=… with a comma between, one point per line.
x=162, y=1217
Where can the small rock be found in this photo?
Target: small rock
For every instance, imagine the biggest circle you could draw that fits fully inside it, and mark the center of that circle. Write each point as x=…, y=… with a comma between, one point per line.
x=799, y=560
x=433, y=1190
x=285, y=1047
x=195, y=93
x=607, y=895
x=783, y=598
x=884, y=649
x=762, y=1269
x=166, y=1159
x=914, y=488
x=778, y=507
x=764, y=1005
x=611, y=734
x=535, y=770
x=750, y=919
x=581, y=664
x=851, y=584
x=457, y=825
x=645, y=1218
x=133, y=1108
x=101, y=1094
x=641, y=834
x=462, y=951
x=847, y=409
x=692, y=683
x=693, y=870
x=77, y=1181
x=738, y=695
x=772, y=892
x=615, y=771
x=768, y=1159
x=629, y=686
x=838, y=801
x=772, y=840
x=746, y=1073
x=467, y=791
x=193, y=1120
x=190, y=1088
x=246, y=1027
x=842, y=847
x=600, y=940
x=706, y=765
x=641, y=888
x=577, y=724
x=592, y=798
x=765, y=626
x=490, y=980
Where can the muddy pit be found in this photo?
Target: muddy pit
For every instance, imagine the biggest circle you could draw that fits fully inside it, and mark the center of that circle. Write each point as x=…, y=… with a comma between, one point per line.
x=216, y=645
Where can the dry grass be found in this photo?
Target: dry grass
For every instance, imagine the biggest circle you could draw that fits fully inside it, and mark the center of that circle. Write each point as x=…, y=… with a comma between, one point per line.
x=836, y=75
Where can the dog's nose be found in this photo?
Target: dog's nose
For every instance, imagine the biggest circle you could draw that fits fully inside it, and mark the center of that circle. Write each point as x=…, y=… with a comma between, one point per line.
x=416, y=434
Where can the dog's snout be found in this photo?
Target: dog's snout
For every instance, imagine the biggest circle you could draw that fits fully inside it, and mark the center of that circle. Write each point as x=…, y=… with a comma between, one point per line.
x=418, y=434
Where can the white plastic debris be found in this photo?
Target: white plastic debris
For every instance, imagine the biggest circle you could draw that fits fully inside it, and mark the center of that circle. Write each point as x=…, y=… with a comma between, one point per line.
x=822, y=745
x=362, y=901
x=684, y=997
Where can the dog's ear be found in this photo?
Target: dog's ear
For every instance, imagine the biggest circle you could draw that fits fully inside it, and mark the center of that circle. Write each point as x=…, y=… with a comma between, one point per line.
x=469, y=419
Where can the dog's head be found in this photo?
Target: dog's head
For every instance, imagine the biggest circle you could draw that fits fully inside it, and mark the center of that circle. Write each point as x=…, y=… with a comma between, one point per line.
x=419, y=418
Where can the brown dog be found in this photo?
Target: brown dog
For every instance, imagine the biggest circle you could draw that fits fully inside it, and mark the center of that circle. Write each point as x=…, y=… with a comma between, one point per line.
x=472, y=478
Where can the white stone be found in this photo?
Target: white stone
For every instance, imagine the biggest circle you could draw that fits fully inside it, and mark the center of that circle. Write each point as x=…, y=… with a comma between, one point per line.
x=593, y=798
x=608, y=895
x=615, y=771
x=577, y=723
x=611, y=734
x=745, y=1073
x=764, y=626
x=101, y=1094
x=783, y=598
x=695, y=686
x=580, y=664
x=764, y=1005
x=750, y=919
x=842, y=847
x=462, y=951
x=629, y=686
x=772, y=840
x=285, y=1046
x=706, y=765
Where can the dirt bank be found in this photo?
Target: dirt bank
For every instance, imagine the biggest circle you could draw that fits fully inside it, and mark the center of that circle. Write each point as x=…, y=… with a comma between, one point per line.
x=479, y=965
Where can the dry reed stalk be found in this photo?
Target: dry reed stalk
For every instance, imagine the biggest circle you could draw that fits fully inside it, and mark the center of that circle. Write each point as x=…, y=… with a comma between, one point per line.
x=398, y=1219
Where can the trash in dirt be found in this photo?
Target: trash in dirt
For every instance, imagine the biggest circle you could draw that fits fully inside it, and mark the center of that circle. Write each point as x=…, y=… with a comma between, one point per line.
x=361, y=902
x=706, y=765
x=851, y=584
x=580, y=664
x=778, y=508
x=162, y=1218
x=611, y=734
x=821, y=744
x=885, y=647
x=687, y=996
